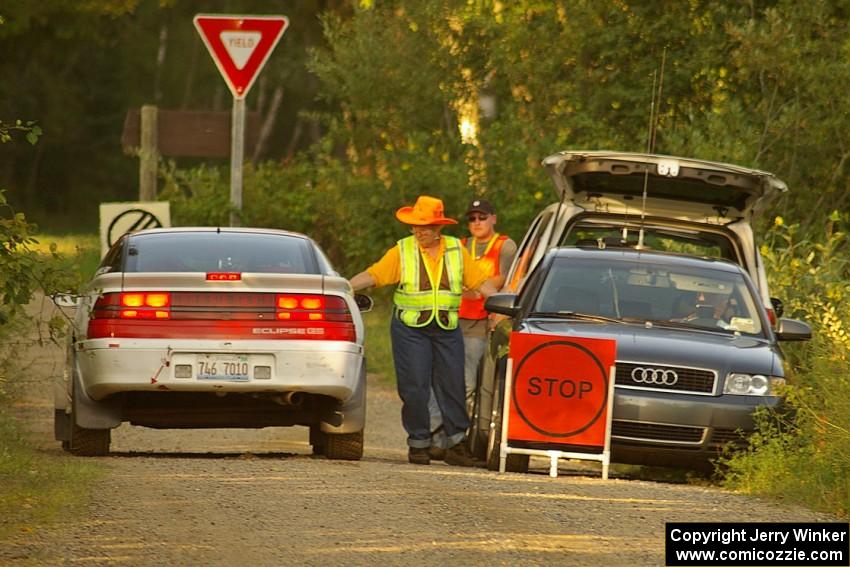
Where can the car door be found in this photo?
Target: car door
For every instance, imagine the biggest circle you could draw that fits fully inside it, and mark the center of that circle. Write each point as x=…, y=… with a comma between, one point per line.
x=534, y=244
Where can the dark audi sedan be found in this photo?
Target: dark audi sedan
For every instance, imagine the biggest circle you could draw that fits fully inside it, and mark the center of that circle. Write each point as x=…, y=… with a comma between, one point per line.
x=696, y=354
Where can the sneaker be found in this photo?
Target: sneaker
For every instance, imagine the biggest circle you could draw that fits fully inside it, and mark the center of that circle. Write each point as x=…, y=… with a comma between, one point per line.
x=418, y=456
x=460, y=456
x=436, y=453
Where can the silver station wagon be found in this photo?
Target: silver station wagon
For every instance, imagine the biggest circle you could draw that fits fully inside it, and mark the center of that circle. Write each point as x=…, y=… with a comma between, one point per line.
x=610, y=202
x=207, y=327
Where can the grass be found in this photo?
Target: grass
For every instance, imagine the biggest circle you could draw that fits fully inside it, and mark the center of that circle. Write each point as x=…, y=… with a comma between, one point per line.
x=37, y=487
x=379, y=354
x=806, y=461
x=81, y=250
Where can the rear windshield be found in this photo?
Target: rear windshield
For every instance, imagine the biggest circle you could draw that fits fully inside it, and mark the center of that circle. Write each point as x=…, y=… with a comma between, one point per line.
x=225, y=251
x=681, y=241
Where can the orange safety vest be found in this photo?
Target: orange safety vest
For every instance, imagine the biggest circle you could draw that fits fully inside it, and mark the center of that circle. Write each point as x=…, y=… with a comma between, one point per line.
x=489, y=264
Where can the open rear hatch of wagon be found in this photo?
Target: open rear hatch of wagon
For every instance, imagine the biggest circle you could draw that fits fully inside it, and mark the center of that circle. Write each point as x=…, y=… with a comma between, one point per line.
x=681, y=188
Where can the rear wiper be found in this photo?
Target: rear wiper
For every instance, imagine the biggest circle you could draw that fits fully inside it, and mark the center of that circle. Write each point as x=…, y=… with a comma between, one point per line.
x=574, y=315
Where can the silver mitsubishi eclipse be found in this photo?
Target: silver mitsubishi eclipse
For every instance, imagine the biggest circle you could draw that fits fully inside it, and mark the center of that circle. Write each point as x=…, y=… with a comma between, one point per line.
x=215, y=327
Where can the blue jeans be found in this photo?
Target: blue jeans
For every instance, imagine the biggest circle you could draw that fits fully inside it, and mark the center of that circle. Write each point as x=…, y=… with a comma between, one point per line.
x=427, y=357
x=473, y=353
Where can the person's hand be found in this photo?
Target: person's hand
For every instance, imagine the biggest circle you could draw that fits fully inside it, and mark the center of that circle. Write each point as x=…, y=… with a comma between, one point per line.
x=471, y=295
x=362, y=281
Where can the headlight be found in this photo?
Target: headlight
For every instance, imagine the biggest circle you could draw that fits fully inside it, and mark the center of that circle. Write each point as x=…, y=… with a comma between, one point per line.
x=752, y=384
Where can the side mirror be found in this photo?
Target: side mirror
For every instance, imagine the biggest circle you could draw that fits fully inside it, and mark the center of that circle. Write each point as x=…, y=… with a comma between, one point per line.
x=364, y=302
x=66, y=300
x=793, y=330
x=502, y=303
x=778, y=306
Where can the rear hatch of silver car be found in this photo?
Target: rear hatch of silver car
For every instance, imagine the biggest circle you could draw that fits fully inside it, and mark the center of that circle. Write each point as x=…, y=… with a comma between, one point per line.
x=680, y=188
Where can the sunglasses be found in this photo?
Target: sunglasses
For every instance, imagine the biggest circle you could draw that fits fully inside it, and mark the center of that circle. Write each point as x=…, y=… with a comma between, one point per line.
x=473, y=218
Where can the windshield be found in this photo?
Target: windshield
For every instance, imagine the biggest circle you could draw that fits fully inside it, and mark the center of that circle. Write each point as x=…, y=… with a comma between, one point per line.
x=220, y=252
x=650, y=291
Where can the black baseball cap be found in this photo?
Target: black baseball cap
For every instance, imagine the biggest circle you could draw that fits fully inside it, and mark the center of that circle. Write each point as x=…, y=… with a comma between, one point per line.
x=481, y=206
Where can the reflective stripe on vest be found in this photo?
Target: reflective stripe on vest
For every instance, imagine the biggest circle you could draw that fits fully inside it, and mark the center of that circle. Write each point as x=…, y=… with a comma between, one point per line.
x=420, y=302
x=489, y=264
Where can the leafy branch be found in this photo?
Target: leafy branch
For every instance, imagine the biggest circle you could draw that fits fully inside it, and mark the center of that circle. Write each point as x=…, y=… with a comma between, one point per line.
x=30, y=129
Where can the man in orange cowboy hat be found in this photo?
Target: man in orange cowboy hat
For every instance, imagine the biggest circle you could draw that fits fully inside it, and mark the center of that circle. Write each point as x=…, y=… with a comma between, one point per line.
x=432, y=271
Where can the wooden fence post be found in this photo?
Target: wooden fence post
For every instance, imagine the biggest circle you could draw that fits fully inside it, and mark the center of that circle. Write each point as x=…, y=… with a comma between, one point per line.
x=148, y=154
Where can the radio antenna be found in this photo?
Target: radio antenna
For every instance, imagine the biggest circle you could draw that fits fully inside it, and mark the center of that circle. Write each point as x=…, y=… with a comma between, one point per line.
x=650, y=140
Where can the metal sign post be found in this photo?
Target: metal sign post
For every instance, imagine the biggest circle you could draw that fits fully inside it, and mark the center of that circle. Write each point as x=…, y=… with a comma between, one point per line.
x=240, y=46
x=237, y=153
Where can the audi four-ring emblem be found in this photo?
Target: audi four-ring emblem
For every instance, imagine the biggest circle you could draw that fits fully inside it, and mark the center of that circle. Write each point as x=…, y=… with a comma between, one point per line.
x=658, y=376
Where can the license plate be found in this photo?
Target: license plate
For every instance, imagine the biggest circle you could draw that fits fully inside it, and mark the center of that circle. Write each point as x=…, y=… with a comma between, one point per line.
x=231, y=367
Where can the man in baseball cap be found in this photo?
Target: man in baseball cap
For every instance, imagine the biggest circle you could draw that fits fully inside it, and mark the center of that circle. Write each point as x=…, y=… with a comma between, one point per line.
x=492, y=253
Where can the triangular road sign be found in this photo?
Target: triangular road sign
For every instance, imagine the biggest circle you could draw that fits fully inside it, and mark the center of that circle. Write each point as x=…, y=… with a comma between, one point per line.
x=240, y=45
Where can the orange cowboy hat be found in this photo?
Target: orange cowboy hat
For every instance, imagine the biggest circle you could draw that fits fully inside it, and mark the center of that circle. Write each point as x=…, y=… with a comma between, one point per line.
x=427, y=210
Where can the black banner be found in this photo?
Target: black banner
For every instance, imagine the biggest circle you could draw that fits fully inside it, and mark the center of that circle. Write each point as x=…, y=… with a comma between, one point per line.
x=762, y=544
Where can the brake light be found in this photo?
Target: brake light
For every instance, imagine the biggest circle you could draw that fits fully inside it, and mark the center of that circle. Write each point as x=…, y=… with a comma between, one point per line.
x=146, y=314
x=310, y=316
x=222, y=315
x=771, y=316
x=293, y=307
x=135, y=305
x=132, y=299
x=157, y=299
x=223, y=276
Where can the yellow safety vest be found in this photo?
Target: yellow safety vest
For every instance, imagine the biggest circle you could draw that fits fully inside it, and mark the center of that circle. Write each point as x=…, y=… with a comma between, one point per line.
x=422, y=296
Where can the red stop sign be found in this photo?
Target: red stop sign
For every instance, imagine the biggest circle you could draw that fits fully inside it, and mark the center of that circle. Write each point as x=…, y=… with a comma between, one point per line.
x=560, y=389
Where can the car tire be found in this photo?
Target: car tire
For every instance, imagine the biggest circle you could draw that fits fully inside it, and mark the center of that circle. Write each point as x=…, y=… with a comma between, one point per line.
x=477, y=438
x=318, y=439
x=86, y=442
x=478, y=435
x=344, y=446
x=514, y=463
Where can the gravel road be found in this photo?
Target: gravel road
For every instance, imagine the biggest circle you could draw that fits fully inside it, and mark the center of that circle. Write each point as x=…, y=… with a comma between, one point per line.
x=257, y=497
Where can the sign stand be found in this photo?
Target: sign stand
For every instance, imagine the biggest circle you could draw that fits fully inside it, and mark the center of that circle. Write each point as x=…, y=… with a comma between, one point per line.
x=504, y=449
x=559, y=393
x=240, y=47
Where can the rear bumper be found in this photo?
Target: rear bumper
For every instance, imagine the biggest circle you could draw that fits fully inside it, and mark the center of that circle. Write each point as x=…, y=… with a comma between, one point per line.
x=113, y=366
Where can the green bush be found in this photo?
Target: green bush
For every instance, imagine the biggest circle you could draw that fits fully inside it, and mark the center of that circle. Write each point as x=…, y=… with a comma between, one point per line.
x=36, y=487
x=24, y=271
x=348, y=211
x=806, y=460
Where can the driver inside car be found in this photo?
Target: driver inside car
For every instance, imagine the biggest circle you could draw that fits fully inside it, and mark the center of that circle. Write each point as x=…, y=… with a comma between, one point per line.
x=706, y=309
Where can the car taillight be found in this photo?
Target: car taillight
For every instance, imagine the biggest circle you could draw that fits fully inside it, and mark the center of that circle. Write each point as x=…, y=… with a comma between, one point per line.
x=205, y=315
x=328, y=316
x=133, y=305
x=771, y=316
x=224, y=276
x=295, y=307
